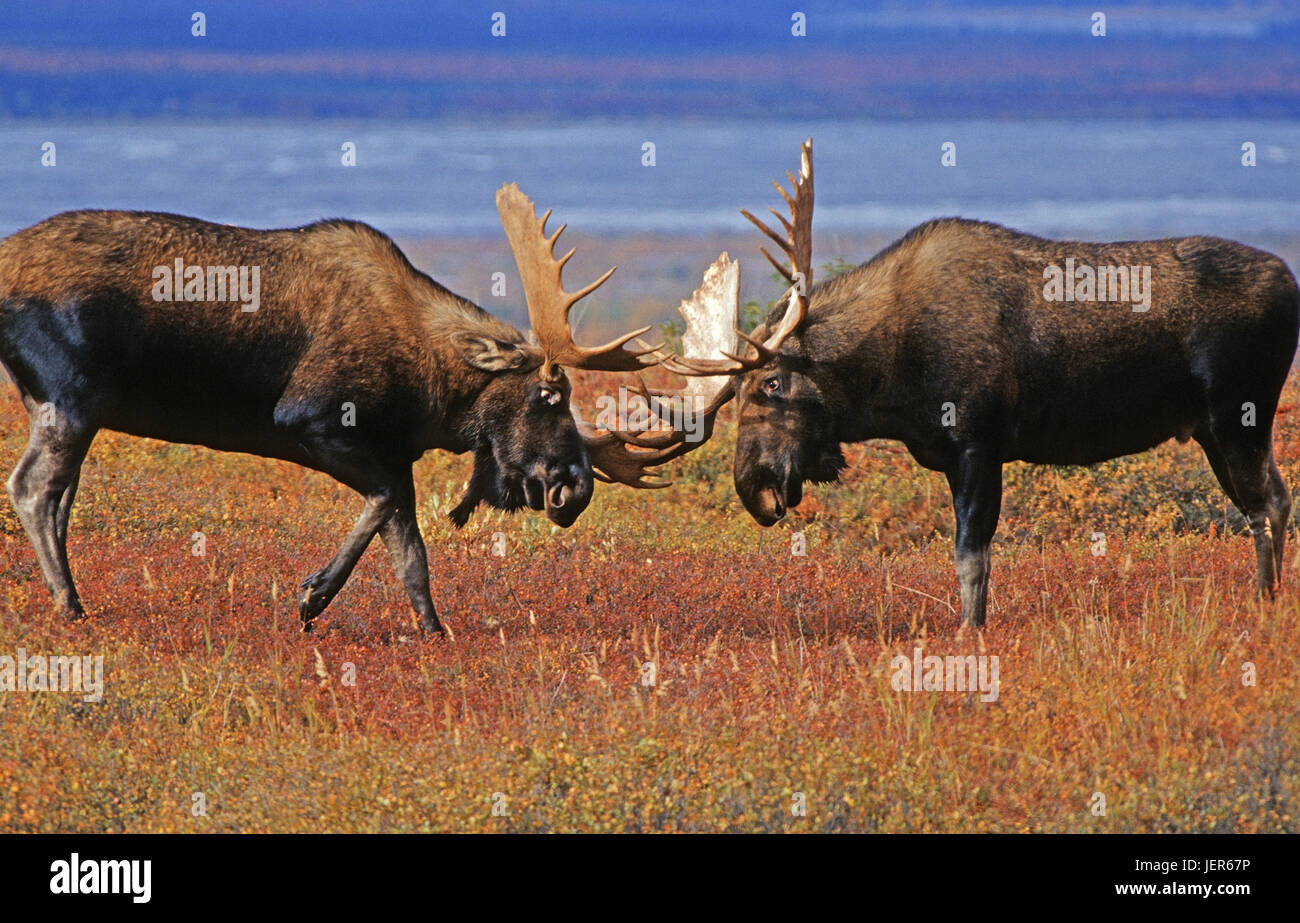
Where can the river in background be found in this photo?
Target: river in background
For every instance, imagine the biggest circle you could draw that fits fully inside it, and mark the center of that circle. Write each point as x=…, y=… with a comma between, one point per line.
x=432, y=186
x=1092, y=179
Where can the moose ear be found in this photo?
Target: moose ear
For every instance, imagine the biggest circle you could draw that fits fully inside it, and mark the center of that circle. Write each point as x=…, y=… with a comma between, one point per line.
x=488, y=353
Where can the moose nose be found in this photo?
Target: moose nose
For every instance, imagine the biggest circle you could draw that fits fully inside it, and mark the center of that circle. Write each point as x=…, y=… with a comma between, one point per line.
x=568, y=491
x=767, y=494
x=768, y=506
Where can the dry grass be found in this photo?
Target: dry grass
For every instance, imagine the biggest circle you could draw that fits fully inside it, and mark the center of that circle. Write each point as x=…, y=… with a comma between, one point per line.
x=1119, y=674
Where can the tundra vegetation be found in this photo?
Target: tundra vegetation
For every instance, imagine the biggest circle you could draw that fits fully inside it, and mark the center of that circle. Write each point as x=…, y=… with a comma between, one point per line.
x=1120, y=673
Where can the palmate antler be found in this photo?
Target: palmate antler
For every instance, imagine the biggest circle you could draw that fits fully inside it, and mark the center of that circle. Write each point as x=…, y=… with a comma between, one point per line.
x=627, y=456
x=710, y=314
x=548, y=303
x=624, y=457
x=797, y=245
x=548, y=313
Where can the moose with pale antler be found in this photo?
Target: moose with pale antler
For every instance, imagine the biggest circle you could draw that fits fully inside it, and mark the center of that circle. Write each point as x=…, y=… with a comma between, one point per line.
x=354, y=363
x=945, y=341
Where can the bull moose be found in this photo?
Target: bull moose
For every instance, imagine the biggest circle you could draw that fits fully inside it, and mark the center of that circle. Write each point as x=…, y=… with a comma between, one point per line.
x=975, y=345
x=350, y=362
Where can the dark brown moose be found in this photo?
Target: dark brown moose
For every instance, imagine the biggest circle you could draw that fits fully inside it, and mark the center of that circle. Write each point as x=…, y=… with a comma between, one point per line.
x=975, y=345
x=320, y=345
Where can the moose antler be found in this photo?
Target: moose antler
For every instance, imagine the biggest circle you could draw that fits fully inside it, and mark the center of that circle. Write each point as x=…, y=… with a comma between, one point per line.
x=622, y=457
x=710, y=315
x=614, y=463
x=797, y=245
x=548, y=302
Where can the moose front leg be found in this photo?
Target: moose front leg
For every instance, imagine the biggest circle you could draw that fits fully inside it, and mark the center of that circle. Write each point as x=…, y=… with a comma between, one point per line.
x=976, y=483
x=401, y=535
x=323, y=586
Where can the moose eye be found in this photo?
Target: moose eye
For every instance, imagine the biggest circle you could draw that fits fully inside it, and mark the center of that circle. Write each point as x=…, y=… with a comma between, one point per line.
x=548, y=395
x=772, y=386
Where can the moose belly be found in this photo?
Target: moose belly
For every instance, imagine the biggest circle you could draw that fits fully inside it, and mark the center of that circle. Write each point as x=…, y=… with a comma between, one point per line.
x=1084, y=425
x=199, y=396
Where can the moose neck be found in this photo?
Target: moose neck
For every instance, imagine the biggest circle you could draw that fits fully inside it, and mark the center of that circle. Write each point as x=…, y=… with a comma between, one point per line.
x=852, y=355
x=444, y=386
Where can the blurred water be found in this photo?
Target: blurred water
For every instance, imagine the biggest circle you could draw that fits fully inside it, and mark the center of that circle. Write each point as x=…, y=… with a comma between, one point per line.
x=1090, y=179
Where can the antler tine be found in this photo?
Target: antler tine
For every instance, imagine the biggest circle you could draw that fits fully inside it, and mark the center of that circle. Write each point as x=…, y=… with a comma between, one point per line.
x=777, y=239
x=614, y=463
x=776, y=264
x=789, y=228
x=797, y=246
x=708, y=368
x=794, y=184
x=784, y=244
x=548, y=303
x=765, y=355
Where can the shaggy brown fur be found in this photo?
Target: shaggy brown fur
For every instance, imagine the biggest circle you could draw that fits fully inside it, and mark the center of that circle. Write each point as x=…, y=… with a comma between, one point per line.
x=344, y=326
x=945, y=340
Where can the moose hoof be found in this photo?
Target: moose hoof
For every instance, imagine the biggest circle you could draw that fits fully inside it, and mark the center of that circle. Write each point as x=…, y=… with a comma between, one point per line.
x=314, y=599
x=69, y=606
x=430, y=625
x=306, y=612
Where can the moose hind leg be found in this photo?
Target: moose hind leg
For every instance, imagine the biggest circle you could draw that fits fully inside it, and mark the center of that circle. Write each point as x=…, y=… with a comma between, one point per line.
x=1246, y=477
x=1219, y=465
x=1279, y=515
x=43, y=480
